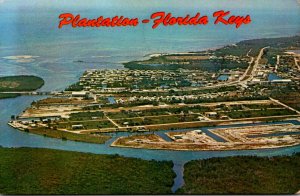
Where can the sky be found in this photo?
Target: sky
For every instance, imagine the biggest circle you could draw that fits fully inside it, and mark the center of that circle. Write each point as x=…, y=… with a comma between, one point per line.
x=141, y=4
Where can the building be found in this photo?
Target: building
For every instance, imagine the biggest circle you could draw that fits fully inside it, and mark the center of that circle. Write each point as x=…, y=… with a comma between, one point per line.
x=198, y=131
x=77, y=127
x=211, y=114
x=178, y=136
x=80, y=94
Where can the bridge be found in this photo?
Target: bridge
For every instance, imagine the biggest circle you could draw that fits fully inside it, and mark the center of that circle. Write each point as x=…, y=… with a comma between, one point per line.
x=30, y=92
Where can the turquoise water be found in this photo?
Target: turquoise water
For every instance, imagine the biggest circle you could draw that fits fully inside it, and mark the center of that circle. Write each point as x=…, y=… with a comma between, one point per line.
x=111, y=100
x=273, y=76
x=223, y=77
x=10, y=137
x=31, y=29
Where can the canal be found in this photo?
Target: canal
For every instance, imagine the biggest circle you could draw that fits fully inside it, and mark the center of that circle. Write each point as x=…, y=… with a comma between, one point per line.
x=10, y=137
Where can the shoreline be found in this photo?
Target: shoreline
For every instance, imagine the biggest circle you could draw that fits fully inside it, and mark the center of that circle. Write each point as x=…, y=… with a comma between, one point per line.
x=206, y=150
x=240, y=140
x=64, y=135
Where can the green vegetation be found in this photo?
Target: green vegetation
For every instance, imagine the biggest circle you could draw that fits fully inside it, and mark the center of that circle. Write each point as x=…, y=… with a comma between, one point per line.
x=181, y=92
x=75, y=87
x=243, y=175
x=212, y=65
x=47, y=132
x=92, y=124
x=291, y=99
x=157, y=120
x=43, y=171
x=260, y=113
x=270, y=56
x=86, y=115
x=262, y=106
x=224, y=99
x=243, y=47
x=158, y=112
x=189, y=101
x=20, y=83
x=9, y=95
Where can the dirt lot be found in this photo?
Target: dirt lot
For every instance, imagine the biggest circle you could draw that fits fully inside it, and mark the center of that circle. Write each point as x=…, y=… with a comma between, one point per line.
x=237, y=139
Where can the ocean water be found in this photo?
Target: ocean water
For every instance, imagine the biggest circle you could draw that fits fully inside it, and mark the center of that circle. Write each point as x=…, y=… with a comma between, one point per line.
x=31, y=28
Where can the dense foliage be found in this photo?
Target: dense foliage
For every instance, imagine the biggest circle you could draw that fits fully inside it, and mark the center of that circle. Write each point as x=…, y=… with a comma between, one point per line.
x=75, y=87
x=243, y=47
x=243, y=175
x=20, y=83
x=212, y=65
x=9, y=95
x=43, y=171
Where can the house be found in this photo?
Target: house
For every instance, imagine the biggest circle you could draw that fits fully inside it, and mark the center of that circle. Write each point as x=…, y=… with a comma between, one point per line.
x=79, y=94
x=198, y=131
x=281, y=81
x=77, y=127
x=211, y=114
x=201, y=118
x=224, y=117
x=25, y=122
x=126, y=123
x=46, y=120
x=178, y=136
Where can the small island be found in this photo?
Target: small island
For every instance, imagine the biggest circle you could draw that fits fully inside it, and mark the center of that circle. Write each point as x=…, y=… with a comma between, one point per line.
x=14, y=86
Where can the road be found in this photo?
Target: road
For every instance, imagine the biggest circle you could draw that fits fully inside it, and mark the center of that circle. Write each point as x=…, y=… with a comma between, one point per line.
x=113, y=122
x=277, y=63
x=296, y=63
x=256, y=63
x=242, y=80
x=282, y=104
x=28, y=92
x=246, y=76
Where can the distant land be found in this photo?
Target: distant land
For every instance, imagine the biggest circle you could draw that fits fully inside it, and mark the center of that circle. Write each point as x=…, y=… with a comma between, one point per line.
x=11, y=86
x=213, y=60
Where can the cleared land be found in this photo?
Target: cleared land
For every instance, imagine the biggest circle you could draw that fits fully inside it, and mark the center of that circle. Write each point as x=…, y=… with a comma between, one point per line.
x=83, y=120
x=243, y=175
x=240, y=138
x=43, y=171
